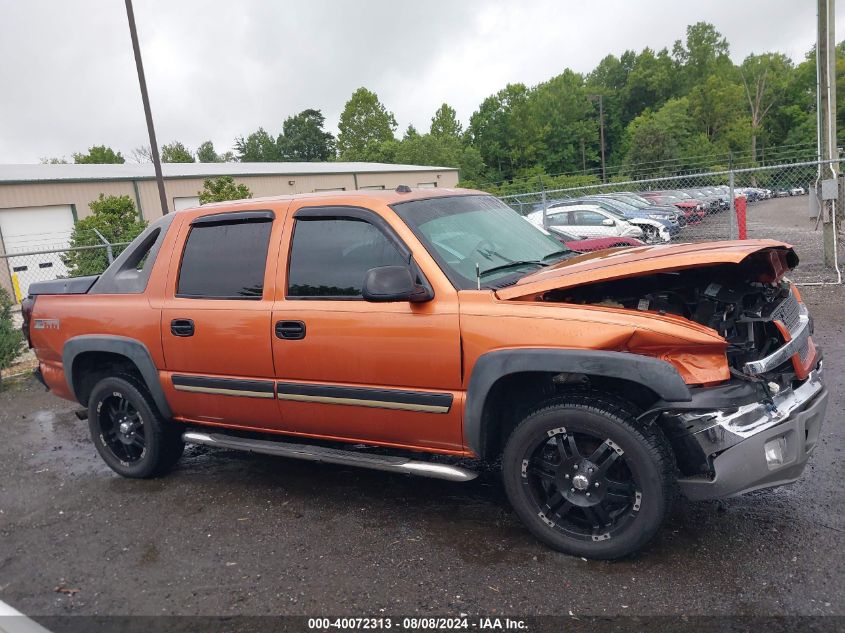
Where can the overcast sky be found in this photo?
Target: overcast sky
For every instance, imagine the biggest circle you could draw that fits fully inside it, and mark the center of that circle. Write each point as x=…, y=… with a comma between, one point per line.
x=217, y=69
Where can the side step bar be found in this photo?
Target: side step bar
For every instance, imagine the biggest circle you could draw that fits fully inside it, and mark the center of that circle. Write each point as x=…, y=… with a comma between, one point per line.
x=311, y=453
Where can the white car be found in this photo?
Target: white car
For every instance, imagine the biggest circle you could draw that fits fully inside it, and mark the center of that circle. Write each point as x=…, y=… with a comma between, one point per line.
x=797, y=191
x=585, y=221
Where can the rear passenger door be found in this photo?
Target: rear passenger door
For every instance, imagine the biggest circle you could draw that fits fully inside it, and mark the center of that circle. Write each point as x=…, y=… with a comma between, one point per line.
x=216, y=319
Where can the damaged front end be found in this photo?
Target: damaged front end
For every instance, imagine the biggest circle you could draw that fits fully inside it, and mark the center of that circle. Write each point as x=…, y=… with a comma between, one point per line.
x=756, y=405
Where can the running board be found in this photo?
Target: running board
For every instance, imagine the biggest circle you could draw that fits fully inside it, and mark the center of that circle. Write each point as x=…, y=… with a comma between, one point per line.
x=312, y=453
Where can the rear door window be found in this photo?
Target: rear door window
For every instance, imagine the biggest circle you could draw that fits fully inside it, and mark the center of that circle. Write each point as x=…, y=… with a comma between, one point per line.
x=225, y=260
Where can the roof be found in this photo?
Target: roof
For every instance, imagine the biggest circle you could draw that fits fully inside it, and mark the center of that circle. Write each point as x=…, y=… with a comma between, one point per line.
x=387, y=196
x=144, y=171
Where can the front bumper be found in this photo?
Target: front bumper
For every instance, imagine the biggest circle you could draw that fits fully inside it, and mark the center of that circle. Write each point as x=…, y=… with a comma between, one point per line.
x=736, y=442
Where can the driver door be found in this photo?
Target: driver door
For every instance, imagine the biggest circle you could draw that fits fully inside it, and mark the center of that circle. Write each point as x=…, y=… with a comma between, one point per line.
x=383, y=373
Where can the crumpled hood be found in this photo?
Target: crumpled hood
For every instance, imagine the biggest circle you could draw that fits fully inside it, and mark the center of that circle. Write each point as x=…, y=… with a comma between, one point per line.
x=618, y=263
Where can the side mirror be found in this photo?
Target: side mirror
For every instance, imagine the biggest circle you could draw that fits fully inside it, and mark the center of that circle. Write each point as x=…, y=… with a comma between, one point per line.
x=393, y=283
x=608, y=222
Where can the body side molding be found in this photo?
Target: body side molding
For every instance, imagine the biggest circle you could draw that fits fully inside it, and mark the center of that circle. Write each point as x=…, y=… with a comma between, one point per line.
x=132, y=349
x=657, y=375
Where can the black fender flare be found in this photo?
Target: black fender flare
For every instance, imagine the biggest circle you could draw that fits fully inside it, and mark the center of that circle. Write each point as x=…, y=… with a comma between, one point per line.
x=130, y=348
x=658, y=375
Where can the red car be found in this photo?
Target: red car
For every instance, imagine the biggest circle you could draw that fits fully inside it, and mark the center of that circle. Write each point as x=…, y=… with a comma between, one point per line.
x=594, y=243
x=694, y=211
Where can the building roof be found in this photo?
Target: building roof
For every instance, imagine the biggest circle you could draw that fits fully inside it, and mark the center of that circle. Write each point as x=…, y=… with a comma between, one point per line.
x=133, y=171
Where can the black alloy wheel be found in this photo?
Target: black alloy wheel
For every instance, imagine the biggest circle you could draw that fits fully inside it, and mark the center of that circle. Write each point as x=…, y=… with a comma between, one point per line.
x=586, y=478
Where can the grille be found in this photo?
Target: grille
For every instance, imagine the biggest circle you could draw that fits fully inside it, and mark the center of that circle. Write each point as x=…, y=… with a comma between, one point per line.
x=787, y=313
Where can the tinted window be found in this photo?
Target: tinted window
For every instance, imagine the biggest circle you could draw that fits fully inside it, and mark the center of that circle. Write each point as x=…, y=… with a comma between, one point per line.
x=588, y=218
x=558, y=219
x=329, y=257
x=225, y=261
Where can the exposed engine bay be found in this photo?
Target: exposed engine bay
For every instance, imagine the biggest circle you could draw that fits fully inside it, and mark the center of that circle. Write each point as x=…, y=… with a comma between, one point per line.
x=737, y=301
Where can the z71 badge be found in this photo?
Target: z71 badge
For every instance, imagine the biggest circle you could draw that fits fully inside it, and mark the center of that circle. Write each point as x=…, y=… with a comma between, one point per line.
x=46, y=324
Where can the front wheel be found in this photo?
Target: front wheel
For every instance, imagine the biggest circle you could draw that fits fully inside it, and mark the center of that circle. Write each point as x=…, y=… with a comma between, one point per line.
x=130, y=434
x=586, y=479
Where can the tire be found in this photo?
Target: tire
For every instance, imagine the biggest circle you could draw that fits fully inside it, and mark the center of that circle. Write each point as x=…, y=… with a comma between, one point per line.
x=150, y=445
x=624, y=473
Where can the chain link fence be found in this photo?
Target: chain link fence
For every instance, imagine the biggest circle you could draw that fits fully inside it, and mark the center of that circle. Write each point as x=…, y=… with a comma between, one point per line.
x=20, y=268
x=782, y=202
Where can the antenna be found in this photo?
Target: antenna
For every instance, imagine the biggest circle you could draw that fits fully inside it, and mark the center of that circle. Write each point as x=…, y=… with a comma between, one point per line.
x=477, y=277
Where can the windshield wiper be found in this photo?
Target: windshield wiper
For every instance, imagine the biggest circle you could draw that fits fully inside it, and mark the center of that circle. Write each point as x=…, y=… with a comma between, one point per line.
x=557, y=253
x=524, y=262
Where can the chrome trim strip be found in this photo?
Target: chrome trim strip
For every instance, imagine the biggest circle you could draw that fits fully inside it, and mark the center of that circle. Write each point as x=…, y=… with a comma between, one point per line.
x=359, y=402
x=784, y=353
x=224, y=392
x=389, y=463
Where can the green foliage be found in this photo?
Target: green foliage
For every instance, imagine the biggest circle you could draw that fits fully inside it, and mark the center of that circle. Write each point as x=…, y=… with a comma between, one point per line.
x=258, y=147
x=11, y=338
x=303, y=138
x=175, y=152
x=365, y=124
x=53, y=160
x=206, y=154
x=445, y=123
x=222, y=189
x=116, y=219
x=99, y=154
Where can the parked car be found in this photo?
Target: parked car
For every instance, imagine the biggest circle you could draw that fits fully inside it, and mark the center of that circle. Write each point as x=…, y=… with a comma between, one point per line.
x=642, y=204
x=581, y=245
x=693, y=212
x=438, y=325
x=797, y=191
x=585, y=220
x=782, y=193
x=657, y=226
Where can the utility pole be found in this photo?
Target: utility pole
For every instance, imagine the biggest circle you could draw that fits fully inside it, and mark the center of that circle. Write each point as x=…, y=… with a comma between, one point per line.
x=826, y=97
x=601, y=129
x=130, y=14
x=601, y=132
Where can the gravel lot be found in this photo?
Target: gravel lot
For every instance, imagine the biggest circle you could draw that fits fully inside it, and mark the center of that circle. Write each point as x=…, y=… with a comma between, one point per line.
x=236, y=534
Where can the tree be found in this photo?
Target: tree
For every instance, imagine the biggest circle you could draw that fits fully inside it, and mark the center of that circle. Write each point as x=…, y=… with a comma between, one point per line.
x=116, y=219
x=364, y=125
x=304, y=139
x=52, y=160
x=11, y=337
x=445, y=123
x=99, y=154
x=705, y=53
x=206, y=154
x=222, y=189
x=493, y=131
x=175, y=152
x=142, y=154
x=765, y=77
x=258, y=147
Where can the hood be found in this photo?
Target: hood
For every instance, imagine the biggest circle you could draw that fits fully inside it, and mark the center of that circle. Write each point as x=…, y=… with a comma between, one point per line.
x=617, y=263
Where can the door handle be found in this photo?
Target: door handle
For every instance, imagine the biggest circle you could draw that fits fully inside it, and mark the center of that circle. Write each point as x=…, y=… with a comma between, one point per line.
x=290, y=330
x=182, y=327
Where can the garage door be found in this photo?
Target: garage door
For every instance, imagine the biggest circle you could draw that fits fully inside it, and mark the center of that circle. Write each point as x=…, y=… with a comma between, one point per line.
x=185, y=203
x=28, y=229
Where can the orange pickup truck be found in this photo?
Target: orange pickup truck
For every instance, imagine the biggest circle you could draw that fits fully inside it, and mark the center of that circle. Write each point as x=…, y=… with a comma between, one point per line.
x=410, y=330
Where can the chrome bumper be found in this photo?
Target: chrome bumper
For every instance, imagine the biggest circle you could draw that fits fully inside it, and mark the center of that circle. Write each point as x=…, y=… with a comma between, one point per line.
x=743, y=444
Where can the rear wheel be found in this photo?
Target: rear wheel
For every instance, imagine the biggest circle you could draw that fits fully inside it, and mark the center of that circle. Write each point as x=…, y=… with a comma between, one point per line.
x=586, y=479
x=129, y=432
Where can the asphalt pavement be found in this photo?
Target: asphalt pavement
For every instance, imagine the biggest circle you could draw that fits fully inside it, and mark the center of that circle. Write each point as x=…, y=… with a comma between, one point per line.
x=236, y=534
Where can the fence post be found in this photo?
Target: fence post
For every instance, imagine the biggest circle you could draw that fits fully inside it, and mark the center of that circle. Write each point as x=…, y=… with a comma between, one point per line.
x=544, y=202
x=109, y=253
x=734, y=218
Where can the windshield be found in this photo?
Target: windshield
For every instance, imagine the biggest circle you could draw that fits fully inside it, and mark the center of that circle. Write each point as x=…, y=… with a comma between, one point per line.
x=466, y=234
x=634, y=201
x=619, y=205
